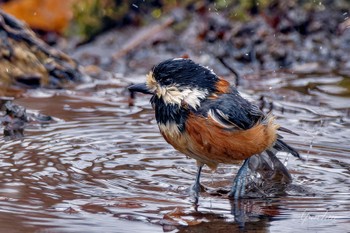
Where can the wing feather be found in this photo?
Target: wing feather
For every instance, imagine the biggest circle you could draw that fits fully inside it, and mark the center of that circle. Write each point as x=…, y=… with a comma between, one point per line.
x=222, y=119
x=231, y=111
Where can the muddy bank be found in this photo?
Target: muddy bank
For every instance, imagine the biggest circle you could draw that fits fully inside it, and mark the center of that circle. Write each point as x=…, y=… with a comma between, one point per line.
x=28, y=62
x=280, y=38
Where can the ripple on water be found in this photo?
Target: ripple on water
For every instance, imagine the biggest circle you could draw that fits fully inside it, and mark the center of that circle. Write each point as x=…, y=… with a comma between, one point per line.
x=104, y=166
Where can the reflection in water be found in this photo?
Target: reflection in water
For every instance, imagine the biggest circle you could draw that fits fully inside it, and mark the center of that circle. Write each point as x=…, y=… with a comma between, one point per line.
x=102, y=166
x=247, y=212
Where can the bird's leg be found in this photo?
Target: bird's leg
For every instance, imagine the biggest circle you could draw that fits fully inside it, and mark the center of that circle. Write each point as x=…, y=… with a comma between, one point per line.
x=238, y=187
x=196, y=187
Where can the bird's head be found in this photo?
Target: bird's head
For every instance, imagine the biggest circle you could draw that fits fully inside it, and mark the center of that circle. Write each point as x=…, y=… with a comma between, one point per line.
x=180, y=82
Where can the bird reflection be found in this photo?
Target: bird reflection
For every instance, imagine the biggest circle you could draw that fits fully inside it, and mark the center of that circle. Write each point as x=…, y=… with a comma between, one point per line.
x=245, y=215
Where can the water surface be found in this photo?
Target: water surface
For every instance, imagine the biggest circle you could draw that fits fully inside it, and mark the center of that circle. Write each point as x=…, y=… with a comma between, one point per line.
x=102, y=166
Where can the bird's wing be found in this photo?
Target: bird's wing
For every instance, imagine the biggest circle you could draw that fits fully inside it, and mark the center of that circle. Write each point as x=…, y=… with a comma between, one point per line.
x=232, y=112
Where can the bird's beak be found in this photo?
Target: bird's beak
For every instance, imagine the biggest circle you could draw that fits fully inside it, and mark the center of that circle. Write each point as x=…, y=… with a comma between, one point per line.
x=140, y=87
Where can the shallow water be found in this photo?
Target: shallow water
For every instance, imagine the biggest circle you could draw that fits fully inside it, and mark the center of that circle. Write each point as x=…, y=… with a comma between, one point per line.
x=102, y=166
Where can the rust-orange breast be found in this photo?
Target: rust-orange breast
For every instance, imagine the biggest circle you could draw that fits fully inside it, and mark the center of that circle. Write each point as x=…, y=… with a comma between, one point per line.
x=208, y=143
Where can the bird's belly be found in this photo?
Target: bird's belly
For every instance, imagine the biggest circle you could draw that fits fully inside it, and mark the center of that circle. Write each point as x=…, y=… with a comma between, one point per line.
x=211, y=145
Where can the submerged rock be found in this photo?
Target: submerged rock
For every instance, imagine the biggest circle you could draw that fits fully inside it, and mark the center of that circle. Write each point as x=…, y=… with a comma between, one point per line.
x=15, y=118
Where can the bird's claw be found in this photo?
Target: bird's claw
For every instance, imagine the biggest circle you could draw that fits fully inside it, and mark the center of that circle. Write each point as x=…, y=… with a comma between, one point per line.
x=196, y=189
x=239, y=183
x=238, y=188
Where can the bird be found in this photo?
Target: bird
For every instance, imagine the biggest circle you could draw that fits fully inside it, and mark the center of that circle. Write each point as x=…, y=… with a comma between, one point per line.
x=205, y=117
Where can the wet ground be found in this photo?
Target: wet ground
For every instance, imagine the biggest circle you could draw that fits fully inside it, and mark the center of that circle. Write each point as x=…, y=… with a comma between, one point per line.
x=102, y=166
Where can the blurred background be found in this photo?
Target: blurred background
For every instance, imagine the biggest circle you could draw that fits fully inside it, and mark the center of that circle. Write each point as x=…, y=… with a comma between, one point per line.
x=238, y=37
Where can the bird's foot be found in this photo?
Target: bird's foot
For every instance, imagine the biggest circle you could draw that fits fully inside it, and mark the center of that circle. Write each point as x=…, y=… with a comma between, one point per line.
x=238, y=188
x=195, y=189
x=239, y=183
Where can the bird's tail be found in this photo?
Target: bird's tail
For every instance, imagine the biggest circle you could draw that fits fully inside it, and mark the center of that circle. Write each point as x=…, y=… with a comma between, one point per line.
x=270, y=168
x=282, y=146
x=273, y=176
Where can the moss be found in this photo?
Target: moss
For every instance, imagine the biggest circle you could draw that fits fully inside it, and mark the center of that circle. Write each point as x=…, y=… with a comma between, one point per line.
x=89, y=16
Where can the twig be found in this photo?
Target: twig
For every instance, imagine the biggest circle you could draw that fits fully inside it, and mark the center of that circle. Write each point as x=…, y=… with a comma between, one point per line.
x=142, y=36
x=232, y=70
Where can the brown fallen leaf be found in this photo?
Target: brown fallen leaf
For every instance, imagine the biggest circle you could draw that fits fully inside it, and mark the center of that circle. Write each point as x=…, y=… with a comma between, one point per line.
x=46, y=15
x=179, y=216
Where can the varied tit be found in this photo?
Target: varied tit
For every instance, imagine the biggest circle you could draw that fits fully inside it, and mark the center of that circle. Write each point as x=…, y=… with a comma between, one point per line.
x=204, y=117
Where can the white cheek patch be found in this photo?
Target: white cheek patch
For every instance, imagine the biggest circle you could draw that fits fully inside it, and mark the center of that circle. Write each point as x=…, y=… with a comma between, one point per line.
x=172, y=95
x=193, y=97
